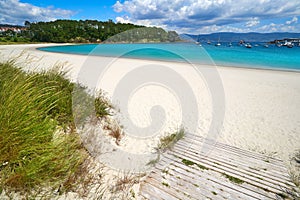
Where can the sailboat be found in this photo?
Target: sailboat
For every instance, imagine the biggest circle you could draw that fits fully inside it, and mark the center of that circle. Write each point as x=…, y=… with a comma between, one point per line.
x=197, y=42
x=218, y=44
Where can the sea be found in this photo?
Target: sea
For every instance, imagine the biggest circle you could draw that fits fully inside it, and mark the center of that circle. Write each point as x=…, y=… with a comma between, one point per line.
x=259, y=56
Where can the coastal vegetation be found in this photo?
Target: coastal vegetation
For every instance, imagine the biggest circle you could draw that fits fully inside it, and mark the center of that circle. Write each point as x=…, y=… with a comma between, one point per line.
x=84, y=31
x=39, y=144
x=169, y=141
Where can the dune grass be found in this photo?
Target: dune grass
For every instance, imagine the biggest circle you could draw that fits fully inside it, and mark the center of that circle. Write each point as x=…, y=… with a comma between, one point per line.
x=169, y=141
x=39, y=146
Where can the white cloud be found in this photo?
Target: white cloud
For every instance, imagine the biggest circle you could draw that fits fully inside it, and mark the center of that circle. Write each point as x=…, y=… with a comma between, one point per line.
x=279, y=27
x=253, y=22
x=122, y=20
x=197, y=14
x=16, y=12
x=294, y=20
x=118, y=7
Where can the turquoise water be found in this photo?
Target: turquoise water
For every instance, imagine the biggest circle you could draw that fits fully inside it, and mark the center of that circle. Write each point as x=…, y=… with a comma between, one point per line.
x=257, y=57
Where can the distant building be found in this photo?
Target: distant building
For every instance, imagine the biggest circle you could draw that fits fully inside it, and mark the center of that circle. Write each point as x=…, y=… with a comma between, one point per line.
x=12, y=28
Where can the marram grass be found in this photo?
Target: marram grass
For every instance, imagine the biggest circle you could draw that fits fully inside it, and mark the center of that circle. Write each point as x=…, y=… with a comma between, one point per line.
x=34, y=152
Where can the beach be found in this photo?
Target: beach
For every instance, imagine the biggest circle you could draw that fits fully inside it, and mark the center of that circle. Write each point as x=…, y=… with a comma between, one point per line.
x=261, y=107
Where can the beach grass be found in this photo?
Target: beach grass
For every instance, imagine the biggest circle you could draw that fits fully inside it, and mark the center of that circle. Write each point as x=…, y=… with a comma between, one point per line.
x=39, y=146
x=168, y=142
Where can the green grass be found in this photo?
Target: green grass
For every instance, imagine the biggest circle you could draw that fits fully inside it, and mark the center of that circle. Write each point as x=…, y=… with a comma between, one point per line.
x=188, y=163
x=233, y=179
x=165, y=184
x=39, y=146
x=169, y=141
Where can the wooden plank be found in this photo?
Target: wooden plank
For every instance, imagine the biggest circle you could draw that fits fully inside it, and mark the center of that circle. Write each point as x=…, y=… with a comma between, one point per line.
x=232, y=172
x=200, y=140
x=245, y=187
x=231, y=163
x=182, y=185
x=262, y=180
x=168, y=193
x=245, y=159
x=210, y=183
x=262, y=168
x=245, y=153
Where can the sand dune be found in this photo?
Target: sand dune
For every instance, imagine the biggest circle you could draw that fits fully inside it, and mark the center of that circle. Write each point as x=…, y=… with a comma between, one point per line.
x=261, y=107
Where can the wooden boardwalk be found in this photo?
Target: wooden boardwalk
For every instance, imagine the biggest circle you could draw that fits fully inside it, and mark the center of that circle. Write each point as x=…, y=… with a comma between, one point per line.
x=196, y=168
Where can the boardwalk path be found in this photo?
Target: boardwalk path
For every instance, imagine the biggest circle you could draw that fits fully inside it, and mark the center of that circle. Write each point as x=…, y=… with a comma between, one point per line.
x=199, y=169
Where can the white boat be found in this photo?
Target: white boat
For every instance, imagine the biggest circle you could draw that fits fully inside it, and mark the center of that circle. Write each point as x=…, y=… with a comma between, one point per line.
x=218, y=44
x=266, y=46
x=197, y=42
x=248, y=45
x=290, y=45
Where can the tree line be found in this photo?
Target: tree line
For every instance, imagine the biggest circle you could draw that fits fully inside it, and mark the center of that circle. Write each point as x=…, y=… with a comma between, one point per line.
x=88, y=31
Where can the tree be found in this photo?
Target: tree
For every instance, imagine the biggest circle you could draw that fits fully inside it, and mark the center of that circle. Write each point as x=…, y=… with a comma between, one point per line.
x=27, y=24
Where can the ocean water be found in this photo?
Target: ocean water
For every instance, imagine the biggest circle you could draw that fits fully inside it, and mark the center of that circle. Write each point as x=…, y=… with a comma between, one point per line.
x=282, y=58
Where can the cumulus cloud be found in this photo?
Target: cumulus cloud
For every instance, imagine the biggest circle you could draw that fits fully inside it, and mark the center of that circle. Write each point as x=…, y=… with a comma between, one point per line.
x=189, y=14
x=16, y=12
x=294, y=20
x=252, y=22
x=279, y=27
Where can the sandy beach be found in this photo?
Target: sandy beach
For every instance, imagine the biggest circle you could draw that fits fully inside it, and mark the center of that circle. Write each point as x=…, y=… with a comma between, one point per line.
x=261, y=107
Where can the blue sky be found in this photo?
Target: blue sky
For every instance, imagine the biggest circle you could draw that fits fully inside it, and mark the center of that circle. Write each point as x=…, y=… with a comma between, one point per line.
x=94, y=9
x=184, y=16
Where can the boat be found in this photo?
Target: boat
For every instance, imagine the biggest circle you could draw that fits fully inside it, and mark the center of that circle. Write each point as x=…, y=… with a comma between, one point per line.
x=290, y=45
x=218, y=44
x=230, y=44
x=197, y=42
x=242, y=42
x=266, y=46
x=208, y=42
x=256, y=45
x=248, y=45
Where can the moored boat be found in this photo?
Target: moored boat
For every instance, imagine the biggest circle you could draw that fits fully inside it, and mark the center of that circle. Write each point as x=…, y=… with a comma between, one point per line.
x=248, y=45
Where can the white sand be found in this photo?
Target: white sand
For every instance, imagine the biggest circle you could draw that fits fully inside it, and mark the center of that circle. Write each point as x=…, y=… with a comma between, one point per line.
x=262, y=107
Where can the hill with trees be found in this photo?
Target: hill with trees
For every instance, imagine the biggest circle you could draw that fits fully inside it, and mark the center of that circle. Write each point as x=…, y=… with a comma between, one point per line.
x=87, y=31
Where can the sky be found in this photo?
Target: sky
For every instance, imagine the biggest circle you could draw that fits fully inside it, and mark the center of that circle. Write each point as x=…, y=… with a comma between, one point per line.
x=183, y=16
